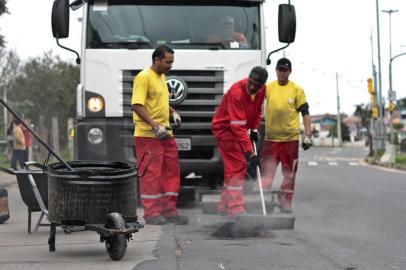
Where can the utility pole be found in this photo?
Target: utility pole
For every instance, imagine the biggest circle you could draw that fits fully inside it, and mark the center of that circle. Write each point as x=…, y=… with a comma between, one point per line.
x=340, y=139
x=391, y=93
x=381, y=130
x=373, y=123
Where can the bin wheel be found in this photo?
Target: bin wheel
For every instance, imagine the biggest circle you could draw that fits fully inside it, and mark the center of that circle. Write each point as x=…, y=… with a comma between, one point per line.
x=116, y=245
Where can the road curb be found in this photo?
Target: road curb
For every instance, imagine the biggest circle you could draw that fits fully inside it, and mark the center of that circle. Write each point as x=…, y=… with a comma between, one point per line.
x=388, y=166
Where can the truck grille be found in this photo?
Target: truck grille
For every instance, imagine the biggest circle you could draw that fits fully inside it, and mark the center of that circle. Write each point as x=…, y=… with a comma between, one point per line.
x=205, y=90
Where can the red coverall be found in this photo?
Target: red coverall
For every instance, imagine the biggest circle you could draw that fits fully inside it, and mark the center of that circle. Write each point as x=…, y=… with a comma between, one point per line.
x=237, y=113
x=159, y=186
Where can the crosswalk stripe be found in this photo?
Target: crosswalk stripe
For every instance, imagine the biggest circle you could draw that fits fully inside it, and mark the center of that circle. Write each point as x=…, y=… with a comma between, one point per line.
x=312, y=163
x=353, y=163
x=333, y=163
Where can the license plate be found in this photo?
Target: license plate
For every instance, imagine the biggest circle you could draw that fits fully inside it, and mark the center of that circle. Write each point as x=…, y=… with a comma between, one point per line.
x=184, y=144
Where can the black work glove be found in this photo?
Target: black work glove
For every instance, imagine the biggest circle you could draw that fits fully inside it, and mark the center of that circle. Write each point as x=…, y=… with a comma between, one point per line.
x=307, y=142
x=254, y=161
x=254, y=135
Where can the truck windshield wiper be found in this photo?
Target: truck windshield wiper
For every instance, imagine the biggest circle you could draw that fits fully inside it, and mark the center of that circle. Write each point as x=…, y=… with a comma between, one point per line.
x=120, y=45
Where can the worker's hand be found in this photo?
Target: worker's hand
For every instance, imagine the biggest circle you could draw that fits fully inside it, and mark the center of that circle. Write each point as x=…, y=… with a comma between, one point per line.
x=254, y=159
x=307, y=142
x=177, y=121
x=160, y=132
x=254, y=135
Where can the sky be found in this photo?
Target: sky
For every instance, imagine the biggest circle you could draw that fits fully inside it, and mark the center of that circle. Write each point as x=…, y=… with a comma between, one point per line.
x=332, y=37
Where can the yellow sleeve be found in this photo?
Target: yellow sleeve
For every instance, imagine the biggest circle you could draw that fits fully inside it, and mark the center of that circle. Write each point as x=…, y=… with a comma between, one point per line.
x=301, y=98
x=140, y=89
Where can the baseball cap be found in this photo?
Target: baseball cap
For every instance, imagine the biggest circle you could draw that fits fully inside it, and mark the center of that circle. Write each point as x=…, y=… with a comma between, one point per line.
x=284, y=63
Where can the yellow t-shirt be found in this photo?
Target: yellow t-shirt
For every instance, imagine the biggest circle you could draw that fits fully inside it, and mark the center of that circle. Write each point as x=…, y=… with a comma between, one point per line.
x=19, y=140
x=282, y=117
x=151, y=91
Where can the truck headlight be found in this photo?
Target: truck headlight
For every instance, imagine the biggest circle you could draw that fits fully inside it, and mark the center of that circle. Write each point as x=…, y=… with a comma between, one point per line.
x=95, y=135
x=95, y=104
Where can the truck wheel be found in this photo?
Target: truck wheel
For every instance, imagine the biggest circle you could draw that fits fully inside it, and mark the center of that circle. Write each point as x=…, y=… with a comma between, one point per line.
x=116, y=245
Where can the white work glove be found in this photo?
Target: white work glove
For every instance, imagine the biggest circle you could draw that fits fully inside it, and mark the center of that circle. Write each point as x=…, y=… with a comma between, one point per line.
x=307, y=142
x=160, y=132
x=177, y=121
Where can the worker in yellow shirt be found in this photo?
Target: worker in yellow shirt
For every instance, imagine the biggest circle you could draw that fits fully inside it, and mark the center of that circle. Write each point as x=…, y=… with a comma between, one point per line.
x=285, y=100
x=159, y=187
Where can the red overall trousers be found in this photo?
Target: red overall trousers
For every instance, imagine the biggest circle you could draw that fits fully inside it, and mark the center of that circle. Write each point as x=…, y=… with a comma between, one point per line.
x=232, y=197
x=159, y=186
x=287, y=154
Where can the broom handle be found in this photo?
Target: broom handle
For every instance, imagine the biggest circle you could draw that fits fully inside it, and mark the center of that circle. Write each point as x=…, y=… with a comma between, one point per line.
x=261, y=192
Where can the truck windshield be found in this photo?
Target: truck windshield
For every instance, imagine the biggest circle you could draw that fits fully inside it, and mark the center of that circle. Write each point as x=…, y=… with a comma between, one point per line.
x=208, y=24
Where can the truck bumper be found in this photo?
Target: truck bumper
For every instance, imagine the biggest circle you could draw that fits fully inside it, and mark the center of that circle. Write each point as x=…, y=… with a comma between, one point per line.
x=118, y=145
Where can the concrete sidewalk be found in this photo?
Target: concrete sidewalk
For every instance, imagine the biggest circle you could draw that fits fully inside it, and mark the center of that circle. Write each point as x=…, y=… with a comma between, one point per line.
x=7, y=180
x=78, y=250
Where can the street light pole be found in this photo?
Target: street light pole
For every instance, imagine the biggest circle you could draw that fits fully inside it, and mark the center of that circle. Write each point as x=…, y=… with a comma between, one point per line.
x=391, y=93
x=390, y=11
x=390, y=69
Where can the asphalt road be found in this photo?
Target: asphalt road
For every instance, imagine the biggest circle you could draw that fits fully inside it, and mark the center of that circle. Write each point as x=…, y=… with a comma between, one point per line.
x=349, y=215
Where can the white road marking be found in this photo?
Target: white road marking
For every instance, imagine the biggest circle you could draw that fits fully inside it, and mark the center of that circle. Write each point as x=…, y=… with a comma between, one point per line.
x=353, y=163
x=333, y=163
x=312, y=163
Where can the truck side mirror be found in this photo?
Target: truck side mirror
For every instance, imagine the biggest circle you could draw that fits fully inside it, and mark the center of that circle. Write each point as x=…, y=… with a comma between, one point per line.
x=286, y=23
x=60, y=19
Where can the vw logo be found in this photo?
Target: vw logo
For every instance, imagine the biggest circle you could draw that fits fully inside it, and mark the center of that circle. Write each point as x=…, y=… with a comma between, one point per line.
x=177, y=90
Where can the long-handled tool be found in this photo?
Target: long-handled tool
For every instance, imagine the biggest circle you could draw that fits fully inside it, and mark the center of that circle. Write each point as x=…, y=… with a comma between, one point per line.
x=253, y=222
x=261, y=191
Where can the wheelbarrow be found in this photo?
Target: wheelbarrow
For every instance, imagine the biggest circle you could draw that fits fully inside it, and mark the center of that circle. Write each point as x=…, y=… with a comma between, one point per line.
x=99, y=196
x=29, y=192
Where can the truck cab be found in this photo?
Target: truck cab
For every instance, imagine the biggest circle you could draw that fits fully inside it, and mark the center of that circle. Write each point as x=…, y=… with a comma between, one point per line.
x=216, y=43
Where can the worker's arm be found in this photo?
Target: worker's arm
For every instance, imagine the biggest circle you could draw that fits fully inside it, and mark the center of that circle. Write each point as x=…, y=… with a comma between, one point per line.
x=143, y=114
x=307, y=141
x=238, y=123
x=307, y=125
x=175, y=116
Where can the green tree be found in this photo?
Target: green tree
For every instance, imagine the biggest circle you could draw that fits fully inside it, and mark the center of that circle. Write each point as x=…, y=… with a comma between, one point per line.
x=345, y=132
x=9, y=64
x=3, y=9
x=401, y=104
x=363, y=112
x=46, y=86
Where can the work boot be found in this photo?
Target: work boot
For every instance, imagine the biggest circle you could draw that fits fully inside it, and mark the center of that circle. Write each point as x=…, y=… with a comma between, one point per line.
x=157, y=220
x=286, y=209
x=284, y=205
x=178, y=220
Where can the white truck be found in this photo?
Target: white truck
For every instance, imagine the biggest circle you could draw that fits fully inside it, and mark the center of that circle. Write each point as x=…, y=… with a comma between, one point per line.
x=118, y=38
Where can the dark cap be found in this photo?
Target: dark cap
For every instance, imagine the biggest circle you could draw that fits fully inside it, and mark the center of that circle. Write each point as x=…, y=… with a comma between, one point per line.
x=284, y=63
